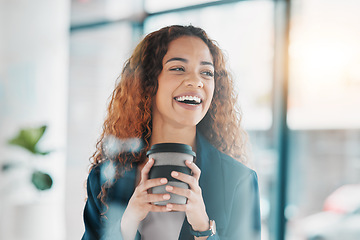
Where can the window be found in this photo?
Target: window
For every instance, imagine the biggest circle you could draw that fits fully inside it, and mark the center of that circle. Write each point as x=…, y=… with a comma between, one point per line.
x=325, y=65
x=152, y=6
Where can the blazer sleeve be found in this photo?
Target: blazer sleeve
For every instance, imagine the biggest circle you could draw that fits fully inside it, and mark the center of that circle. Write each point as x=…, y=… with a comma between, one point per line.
x=244, y=220
x=93, y=208
x=97, y=225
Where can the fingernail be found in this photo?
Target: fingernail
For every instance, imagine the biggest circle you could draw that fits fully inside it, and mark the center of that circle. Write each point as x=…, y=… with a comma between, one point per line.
x=150, y=161
x=188, y=162
x=174, y=174
x=169, y=188
x=163, y=180
x=169, y=206
x=166, y=197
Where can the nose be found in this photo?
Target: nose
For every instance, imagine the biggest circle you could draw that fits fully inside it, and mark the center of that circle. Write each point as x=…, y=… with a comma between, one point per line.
x=193, y=80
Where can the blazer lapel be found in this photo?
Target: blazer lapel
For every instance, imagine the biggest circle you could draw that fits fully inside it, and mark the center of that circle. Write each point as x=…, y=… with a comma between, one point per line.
x=212, y=184
x=211, y=181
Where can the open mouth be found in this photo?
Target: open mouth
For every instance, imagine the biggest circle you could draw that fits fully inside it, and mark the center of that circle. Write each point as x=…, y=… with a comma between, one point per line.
x=191, y=100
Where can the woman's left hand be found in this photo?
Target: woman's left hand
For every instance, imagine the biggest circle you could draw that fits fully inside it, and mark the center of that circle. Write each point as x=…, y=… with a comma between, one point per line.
x=194, y=208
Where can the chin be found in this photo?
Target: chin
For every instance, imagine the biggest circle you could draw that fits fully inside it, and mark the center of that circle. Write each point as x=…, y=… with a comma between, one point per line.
x=191, y=123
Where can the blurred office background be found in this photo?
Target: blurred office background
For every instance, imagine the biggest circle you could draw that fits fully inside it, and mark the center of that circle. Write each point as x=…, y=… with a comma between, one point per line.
x=297, y=70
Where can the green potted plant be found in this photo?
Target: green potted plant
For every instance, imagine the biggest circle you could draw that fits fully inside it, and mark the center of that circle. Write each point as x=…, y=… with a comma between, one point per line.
x=28, y=138
x=27, y=192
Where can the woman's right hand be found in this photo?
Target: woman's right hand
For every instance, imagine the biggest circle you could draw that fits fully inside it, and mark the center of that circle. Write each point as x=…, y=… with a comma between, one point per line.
x=142, y=202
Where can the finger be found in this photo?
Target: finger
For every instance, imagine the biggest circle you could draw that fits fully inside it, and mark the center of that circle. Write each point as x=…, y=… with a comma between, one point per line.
x=176, y=207
x=146, y=169
x=150, y=183
x=151, y=198
x=192, y=181
x=157, y=208
x=194, y=168
x=179, y=191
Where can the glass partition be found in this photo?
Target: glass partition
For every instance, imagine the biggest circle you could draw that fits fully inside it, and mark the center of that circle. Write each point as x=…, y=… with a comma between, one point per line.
x=324, y=87
x=96, y=59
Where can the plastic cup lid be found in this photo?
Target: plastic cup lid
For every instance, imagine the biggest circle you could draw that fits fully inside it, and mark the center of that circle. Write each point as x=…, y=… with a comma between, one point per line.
x=171, y=147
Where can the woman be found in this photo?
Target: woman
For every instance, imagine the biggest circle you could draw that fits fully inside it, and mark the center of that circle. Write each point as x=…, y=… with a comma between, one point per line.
x=174, y=88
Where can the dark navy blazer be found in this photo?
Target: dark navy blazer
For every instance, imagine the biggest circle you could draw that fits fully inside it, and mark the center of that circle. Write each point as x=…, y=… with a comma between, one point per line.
x=229, y=188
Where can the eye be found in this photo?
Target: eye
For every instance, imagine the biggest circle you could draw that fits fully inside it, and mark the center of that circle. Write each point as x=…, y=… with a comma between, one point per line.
x=182, y=69
x=208, y=73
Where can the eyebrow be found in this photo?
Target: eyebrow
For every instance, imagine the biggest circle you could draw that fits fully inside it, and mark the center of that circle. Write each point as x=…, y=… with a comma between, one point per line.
x=186, y=61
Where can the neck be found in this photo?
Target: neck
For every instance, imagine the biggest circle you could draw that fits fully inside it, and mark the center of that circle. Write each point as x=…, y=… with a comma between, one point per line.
x=169, y=134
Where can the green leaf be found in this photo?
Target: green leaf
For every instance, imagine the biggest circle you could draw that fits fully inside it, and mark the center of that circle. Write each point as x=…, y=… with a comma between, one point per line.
x=42, y=181
x=28, y=139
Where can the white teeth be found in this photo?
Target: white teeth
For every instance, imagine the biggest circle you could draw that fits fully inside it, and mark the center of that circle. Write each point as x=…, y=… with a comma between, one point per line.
x=189, y=98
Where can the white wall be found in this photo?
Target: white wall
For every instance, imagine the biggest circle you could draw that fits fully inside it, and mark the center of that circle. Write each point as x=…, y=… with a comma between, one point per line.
x=33, y=91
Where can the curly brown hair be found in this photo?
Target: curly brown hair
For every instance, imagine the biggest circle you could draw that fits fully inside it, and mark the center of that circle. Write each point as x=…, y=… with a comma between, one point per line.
x=129, y=113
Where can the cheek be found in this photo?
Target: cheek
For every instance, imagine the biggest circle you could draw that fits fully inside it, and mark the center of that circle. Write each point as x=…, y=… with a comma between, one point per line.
x=210, y=90
x=159, y=100
x=160, y=88
x=163, y=91
x=163, y=96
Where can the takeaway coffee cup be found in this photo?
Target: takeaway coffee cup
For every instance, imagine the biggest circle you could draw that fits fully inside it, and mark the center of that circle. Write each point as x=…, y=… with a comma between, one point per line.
x=170, y=157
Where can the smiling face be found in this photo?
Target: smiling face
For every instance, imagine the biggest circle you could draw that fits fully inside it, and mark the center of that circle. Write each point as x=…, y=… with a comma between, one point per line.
x=185, y=84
